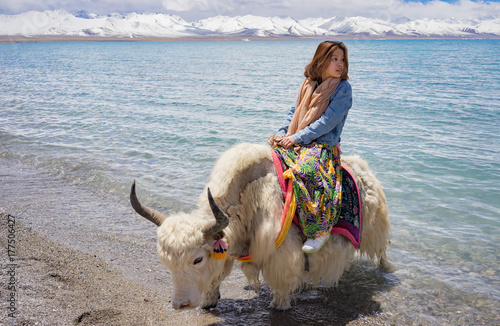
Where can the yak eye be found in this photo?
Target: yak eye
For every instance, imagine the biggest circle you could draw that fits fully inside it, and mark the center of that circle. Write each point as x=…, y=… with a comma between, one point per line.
x=198, y=260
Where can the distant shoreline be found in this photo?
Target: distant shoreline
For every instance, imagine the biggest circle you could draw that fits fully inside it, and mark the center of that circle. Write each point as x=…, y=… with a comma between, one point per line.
x=70, y=38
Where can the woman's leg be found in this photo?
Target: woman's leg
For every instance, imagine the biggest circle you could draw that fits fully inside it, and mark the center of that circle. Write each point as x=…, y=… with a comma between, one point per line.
x=317, y=186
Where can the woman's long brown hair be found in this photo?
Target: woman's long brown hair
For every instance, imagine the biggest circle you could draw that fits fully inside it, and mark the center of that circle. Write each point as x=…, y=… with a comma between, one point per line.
x=321, y=59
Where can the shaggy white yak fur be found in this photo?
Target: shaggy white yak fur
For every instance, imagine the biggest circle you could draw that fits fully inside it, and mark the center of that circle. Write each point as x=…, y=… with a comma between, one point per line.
x=245, y=186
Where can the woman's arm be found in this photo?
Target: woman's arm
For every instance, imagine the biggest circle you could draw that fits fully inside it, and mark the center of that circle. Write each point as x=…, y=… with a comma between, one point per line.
x=284, y=128
x=336, y=111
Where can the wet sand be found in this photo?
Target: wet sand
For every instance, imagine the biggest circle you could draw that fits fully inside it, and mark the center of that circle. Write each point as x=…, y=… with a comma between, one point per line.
x=57, y=285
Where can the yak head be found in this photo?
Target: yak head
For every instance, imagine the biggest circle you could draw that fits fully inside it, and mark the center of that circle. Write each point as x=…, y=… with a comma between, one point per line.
x=186, y=245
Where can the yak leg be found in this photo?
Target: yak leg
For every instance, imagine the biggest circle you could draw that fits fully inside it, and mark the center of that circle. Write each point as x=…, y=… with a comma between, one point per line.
x=376, y=224
x=385, y=264
x=212, y=296
x=251, y=272
x=283, y=272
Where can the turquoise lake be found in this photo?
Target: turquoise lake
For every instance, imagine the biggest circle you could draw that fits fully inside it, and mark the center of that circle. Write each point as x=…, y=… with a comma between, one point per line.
x=425, y=115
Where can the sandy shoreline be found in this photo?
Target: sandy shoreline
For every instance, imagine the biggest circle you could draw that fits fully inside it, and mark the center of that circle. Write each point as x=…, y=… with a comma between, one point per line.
x=68, y=38
x=76, y=266
x=52, y=284
x=58, y=285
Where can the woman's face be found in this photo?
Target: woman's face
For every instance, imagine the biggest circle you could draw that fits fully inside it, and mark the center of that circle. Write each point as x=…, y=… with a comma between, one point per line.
x=336, y=66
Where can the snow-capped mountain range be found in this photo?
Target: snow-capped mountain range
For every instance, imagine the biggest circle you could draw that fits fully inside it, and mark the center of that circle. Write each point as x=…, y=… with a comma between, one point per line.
x=62, y=23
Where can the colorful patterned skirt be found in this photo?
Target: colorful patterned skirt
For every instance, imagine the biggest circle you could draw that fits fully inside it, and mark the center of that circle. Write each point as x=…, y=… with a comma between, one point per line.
x=317, y=184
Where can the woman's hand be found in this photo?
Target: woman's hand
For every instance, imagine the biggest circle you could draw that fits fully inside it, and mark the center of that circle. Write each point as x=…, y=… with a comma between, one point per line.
x=287, y=142
x=274, y=140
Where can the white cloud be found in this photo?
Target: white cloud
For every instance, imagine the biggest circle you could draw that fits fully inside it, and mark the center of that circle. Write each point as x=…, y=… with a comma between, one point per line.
x=17, y=6
x=200, y=5
x=95, y=6
x=441, y=10
x=182, y=5
x=198, y=9
x=385, y=9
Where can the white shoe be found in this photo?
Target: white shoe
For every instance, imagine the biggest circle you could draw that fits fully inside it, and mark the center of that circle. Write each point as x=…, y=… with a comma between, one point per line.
x=313, y=245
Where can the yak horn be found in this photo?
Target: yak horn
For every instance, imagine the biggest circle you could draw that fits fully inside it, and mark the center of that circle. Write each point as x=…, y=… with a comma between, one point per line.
x=221, y=219
x=151, y=214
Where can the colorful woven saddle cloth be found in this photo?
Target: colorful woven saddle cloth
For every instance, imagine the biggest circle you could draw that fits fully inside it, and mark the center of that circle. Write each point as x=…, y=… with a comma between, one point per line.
x=350, y=219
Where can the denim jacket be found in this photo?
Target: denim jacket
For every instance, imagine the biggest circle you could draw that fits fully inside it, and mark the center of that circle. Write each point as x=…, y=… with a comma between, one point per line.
x=328, y=127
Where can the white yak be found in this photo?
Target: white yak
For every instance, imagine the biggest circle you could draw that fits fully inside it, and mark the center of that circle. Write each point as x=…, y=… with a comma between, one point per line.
x=247, y=204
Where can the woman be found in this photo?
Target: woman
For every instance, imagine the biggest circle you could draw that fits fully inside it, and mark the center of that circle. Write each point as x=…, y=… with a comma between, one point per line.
x=309, y=140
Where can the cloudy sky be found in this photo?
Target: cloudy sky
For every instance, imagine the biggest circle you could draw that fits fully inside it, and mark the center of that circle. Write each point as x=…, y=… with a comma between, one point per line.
x=192, y=10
